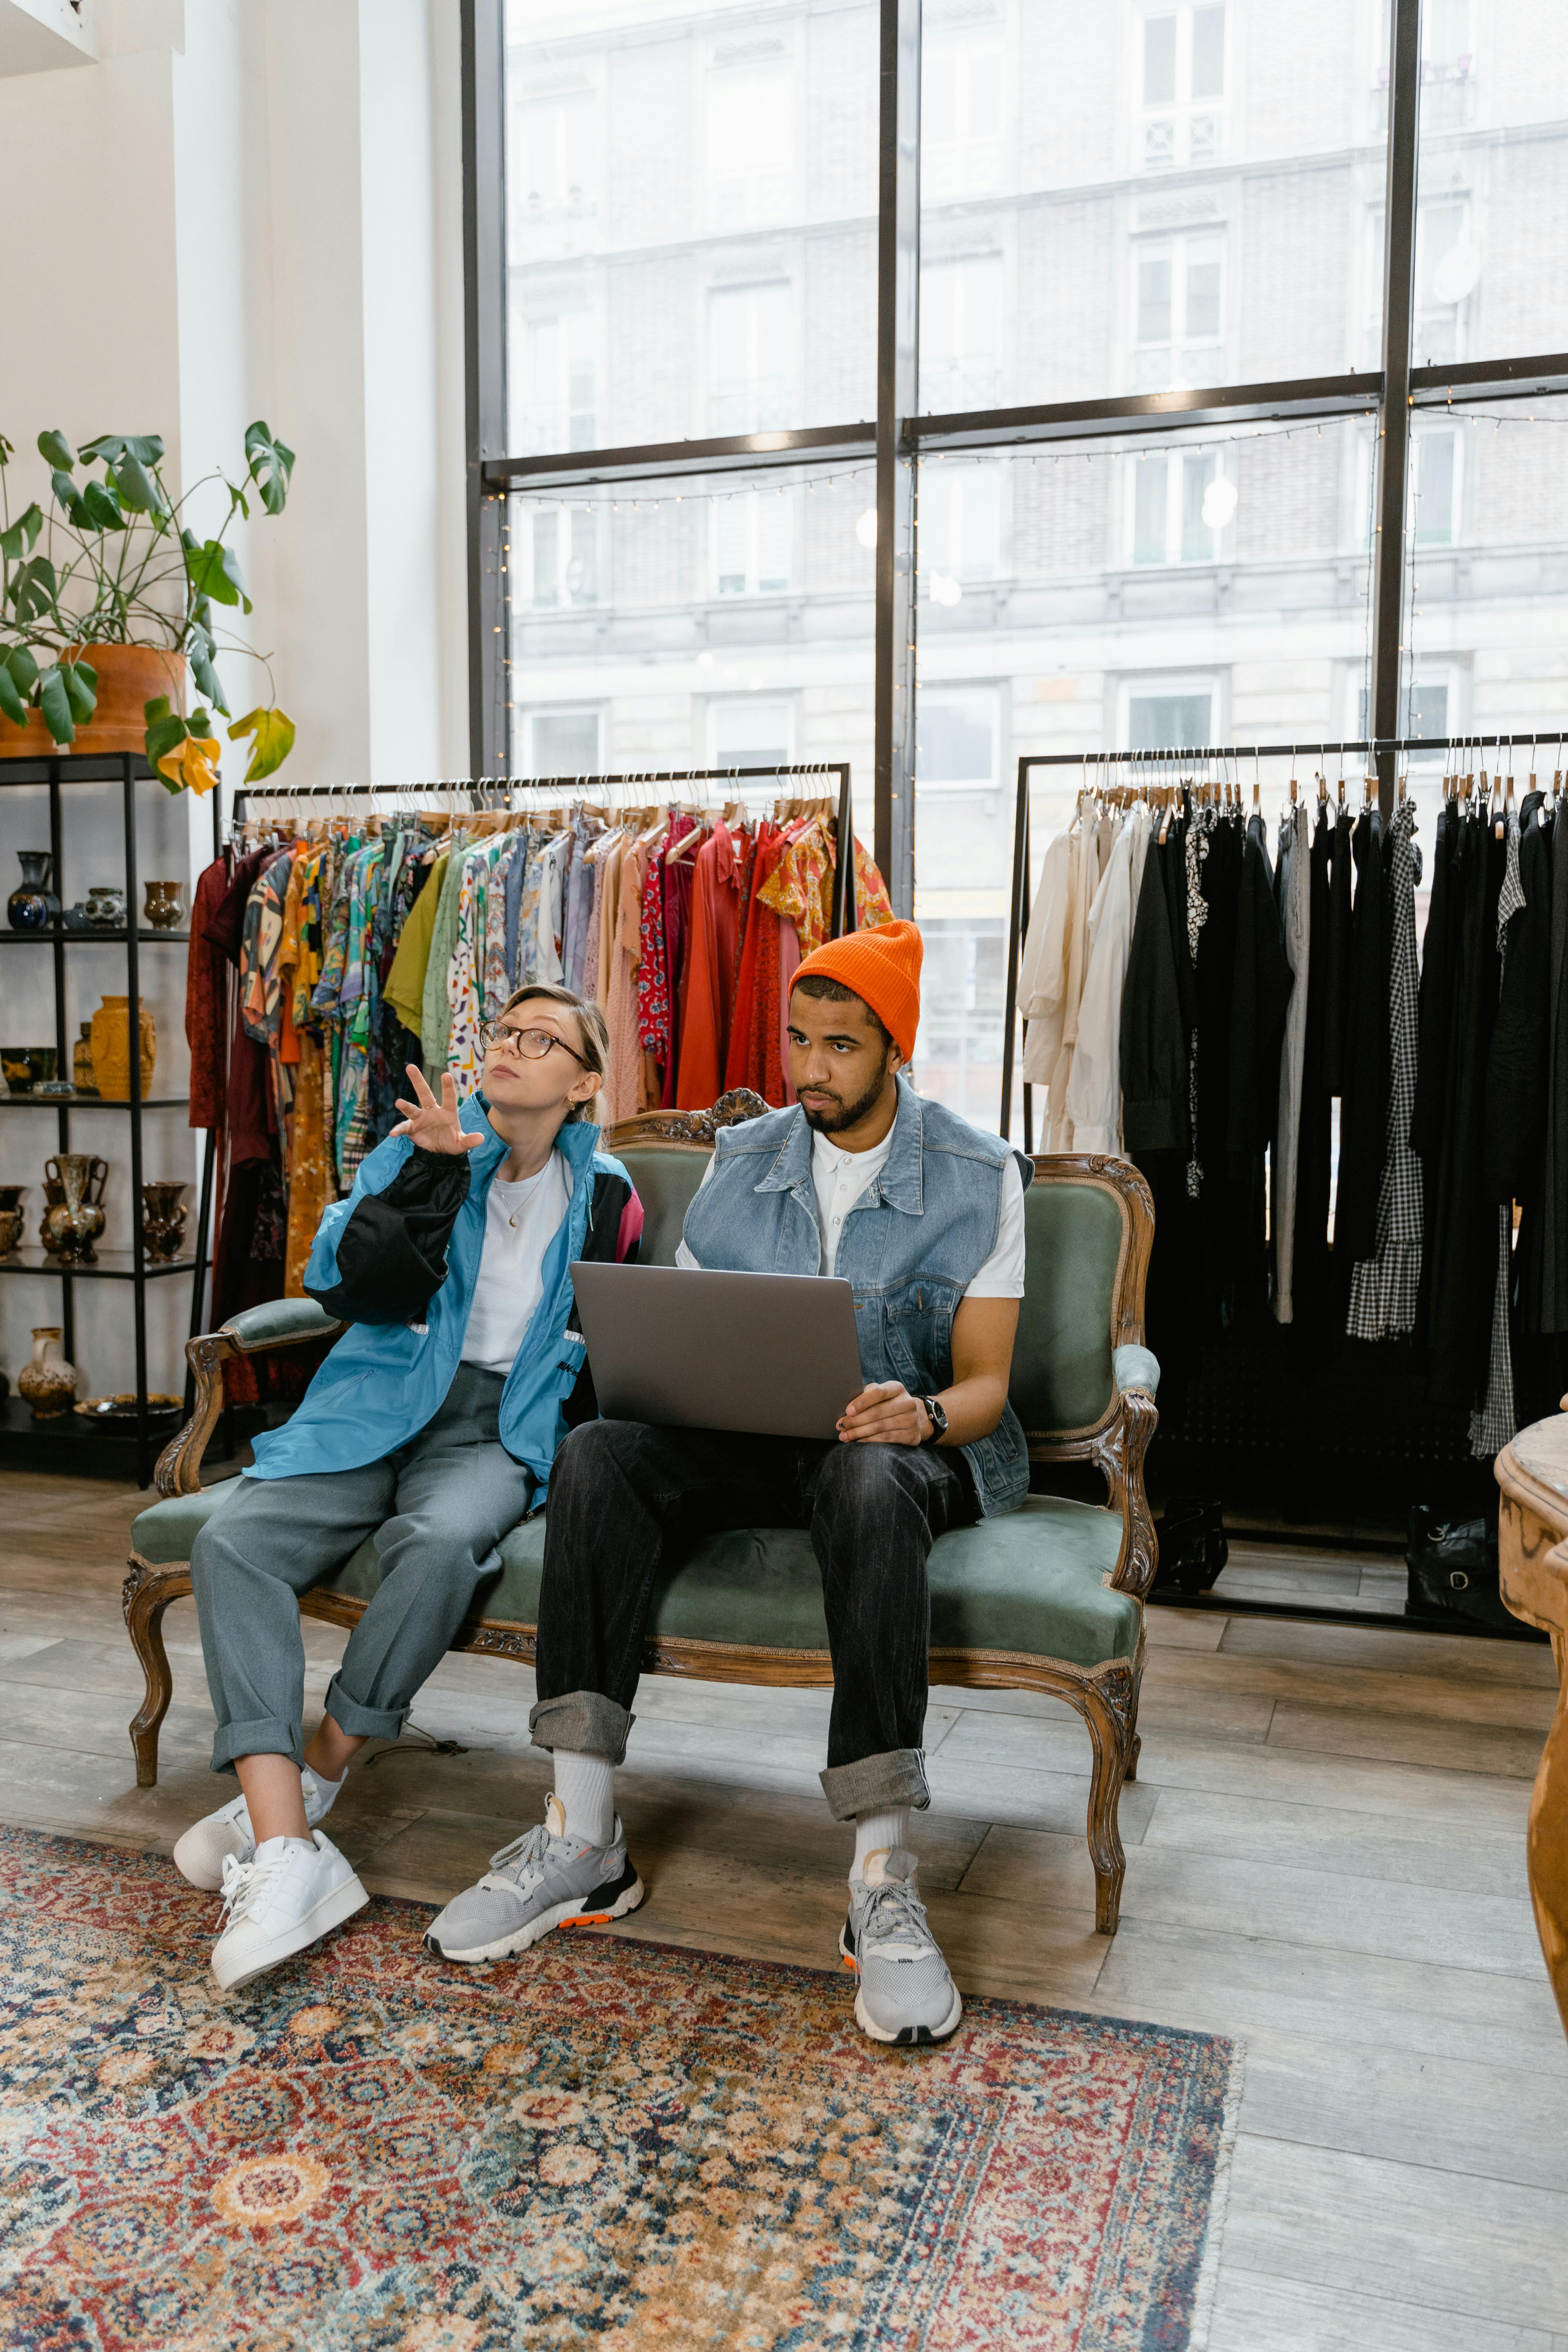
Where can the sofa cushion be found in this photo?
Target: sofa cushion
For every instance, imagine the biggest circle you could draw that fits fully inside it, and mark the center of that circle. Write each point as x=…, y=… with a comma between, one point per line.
x=1032, y=1580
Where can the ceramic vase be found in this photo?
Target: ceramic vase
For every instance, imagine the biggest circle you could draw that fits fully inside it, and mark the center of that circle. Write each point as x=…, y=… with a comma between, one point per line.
x=47, y=1382
x=163, y=904
x=35, y=906
x=75, y=1222
x=81, y=1061
x=112, y=1049
x=164, y=1219
x=106, y=906
x=70, y=1229
x=11, y=1224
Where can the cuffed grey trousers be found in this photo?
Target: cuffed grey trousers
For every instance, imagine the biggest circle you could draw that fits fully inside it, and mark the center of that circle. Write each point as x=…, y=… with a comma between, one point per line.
x=437, y=1508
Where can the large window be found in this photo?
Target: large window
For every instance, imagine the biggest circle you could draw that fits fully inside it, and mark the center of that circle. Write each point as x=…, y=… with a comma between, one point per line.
x=692, y=195
x=1115, y=206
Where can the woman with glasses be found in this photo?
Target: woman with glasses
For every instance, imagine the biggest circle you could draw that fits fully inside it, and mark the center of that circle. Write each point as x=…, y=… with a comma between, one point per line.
x=431, y=1426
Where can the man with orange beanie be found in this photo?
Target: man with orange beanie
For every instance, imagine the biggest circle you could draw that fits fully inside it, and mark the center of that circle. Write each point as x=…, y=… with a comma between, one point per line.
x=924, y=1216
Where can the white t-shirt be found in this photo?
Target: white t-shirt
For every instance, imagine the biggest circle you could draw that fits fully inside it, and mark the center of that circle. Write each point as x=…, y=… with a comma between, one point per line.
x=521, y=1221
x=839, y=1177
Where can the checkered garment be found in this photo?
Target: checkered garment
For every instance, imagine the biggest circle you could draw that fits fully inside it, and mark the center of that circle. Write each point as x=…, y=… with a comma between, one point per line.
x=1383, y=1288
x=1492, y=1423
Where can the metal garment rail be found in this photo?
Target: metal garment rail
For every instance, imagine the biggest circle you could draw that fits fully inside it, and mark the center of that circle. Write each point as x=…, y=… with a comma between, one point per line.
x=1224, y=757
x=481, y=788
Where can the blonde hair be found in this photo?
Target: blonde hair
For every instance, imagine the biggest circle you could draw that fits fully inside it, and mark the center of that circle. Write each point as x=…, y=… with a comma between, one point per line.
x=593, y=1038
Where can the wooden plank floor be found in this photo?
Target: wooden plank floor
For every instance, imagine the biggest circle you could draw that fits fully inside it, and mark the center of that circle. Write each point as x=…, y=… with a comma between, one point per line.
x=1325, y=1858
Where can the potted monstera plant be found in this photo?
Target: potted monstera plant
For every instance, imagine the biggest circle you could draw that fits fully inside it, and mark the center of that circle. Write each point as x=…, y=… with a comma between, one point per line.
x=109, y=599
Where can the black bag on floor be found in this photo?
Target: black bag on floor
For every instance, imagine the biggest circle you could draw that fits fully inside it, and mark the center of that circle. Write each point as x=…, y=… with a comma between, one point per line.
x=1453, y=1572
x=1193, y=1546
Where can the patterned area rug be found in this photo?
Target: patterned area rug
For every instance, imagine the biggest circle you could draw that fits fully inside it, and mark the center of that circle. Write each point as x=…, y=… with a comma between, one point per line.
x=607, y=2143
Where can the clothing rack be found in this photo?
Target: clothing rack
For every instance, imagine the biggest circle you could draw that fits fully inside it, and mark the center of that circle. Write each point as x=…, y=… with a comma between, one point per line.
x=1231, y=761
x=487, y=795
x=1227, y=757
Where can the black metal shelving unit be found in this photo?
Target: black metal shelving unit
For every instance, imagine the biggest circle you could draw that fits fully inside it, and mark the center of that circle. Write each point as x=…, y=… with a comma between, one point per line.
x=70, y=1443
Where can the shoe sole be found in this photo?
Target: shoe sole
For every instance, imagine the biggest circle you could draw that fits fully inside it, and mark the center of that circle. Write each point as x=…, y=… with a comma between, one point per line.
x=905, y=2037
x=605, y=1903
x=322, y=1916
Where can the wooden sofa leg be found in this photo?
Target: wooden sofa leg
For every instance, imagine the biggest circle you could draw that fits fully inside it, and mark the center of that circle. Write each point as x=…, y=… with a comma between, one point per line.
x=147, y=1593
x=1106, y=1707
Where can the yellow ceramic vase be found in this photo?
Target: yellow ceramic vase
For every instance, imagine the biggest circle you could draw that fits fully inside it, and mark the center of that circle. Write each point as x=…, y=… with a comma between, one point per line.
x=112, y=1049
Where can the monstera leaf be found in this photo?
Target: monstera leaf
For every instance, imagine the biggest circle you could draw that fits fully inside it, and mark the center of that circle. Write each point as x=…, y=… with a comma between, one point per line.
x=214, y=573
x=273, y=740
x=271, y=465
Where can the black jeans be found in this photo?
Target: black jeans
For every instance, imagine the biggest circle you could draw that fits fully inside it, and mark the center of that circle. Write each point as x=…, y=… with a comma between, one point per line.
x=621, y=1492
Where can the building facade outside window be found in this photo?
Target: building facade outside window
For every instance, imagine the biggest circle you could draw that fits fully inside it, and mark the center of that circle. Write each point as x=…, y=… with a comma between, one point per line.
x=701, y=258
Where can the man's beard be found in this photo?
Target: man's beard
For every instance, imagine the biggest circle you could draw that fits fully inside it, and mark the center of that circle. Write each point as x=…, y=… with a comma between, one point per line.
x=833, y=1122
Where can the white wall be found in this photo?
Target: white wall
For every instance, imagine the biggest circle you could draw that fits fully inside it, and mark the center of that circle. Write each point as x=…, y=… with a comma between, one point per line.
x=261, y=203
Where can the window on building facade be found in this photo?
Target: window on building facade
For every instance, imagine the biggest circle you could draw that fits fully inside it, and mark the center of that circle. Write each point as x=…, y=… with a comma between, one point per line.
x=553, y=160
x=556, y=550
x=1182, y=87
x=961, y=333
x=756, y=731
x=749, y=358
x=750, y=543
x=1436, y=485
x=962, y=123
x=1181, y=506
x=960, y=526
x=1168, y=716
x=563, y=743
x=556, y=405
x=751, y=137
x=1178, y=324
x=1447, y=265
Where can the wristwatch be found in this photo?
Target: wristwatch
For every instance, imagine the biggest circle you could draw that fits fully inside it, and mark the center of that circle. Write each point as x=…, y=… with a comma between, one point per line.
x=938, y=1422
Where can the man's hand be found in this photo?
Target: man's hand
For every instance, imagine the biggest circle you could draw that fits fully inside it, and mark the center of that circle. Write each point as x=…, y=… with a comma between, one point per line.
x=885, y=1414
x=433, y=1125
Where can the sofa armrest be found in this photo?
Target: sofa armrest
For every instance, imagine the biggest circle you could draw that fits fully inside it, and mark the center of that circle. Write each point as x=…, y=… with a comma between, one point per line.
x=276, y=1323
x=1136, y=1368
x=1119, y=1451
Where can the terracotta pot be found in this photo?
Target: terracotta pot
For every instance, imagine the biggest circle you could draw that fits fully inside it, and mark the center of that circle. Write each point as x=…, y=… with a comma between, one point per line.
x=49, y=1383
x=129, y=676
x=112, y=1049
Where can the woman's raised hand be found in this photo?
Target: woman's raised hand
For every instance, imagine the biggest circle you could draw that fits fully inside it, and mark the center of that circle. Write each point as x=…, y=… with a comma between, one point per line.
x=433, y=1125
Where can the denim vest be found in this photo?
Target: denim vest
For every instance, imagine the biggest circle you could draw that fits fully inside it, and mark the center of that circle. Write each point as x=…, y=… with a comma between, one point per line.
x=383, y=1382
x=914, y=1240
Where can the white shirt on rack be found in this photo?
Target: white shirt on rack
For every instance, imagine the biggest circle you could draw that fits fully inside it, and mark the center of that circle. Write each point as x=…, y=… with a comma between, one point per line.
x=521, y=1223
x=839, y=1177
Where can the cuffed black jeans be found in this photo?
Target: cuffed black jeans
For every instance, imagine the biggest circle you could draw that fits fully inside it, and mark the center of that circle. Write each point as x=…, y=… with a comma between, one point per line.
x=624, y=1494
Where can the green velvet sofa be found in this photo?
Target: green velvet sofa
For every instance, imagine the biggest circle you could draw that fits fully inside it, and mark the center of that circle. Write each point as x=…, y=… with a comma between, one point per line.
x=1048, y=1598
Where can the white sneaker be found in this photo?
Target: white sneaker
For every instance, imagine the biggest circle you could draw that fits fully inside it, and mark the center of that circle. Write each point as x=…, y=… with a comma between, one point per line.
x=207, y=1843
x=274, y=1906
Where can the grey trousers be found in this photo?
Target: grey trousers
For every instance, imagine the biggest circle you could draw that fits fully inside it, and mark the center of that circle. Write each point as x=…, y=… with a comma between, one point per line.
x=438, y=1507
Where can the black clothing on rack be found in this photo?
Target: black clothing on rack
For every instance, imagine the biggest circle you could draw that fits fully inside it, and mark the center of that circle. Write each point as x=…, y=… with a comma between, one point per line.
x=1364, y=1098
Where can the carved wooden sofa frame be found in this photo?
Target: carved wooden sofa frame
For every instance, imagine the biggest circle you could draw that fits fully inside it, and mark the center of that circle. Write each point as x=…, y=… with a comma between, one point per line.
x=1116, y=1441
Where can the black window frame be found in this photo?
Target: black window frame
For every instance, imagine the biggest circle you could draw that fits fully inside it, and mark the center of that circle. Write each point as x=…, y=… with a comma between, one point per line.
x=899, y=435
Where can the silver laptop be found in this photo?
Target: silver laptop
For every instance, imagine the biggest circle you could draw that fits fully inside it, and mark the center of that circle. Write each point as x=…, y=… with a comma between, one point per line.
x=776, y=1354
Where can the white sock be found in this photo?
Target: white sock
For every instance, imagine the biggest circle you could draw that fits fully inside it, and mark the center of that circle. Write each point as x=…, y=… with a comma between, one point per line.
x=879, y=1833
x=585, y=1786
x=330, y=1789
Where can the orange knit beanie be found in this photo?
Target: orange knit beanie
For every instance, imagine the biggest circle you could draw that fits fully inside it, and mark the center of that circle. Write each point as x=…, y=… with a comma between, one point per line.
x=883, y=968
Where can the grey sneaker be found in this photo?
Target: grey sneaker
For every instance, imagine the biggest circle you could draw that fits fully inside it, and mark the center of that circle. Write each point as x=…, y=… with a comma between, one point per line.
x=206, y=1845
x=542, y=1880
x=905, y=1992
